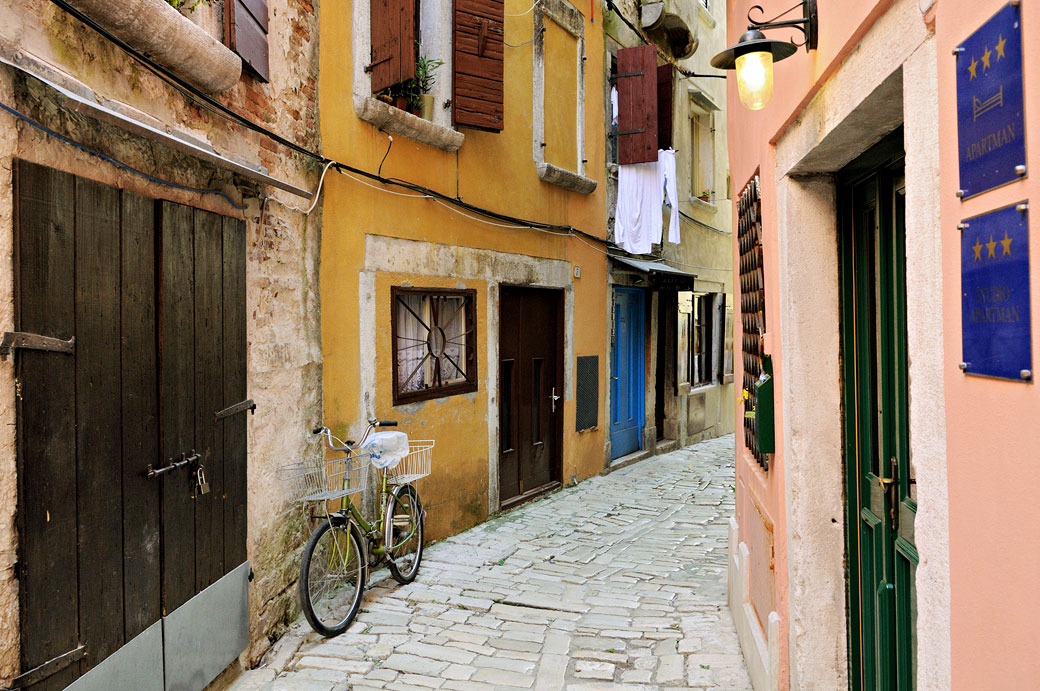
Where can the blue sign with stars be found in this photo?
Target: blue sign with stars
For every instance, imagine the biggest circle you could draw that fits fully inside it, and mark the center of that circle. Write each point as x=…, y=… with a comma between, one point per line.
x=995, y=324
x=990, y=121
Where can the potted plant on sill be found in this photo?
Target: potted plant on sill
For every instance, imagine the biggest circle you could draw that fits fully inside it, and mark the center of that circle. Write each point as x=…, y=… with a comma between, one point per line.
x=705, y=195
x=424, y=81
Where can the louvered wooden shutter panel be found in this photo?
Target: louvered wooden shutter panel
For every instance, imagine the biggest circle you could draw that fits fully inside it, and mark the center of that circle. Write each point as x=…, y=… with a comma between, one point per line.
x=393, y=42
x=246, y=30
x=478, y=89
x=637, y=104
x=664, y=106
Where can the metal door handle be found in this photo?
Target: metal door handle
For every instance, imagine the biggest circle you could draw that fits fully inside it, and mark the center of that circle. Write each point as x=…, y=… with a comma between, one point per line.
x=554, y=398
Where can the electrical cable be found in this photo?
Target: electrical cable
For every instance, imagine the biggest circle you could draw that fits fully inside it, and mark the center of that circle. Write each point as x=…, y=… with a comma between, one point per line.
x=388, y=147
x=204, y=100
x=702, y=224
x=527, y=11
x=116, y=162
x=540, y=31
x=181, y=85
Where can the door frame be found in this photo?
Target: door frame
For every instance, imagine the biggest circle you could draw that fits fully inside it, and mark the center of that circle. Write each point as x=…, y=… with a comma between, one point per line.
x=556, y=468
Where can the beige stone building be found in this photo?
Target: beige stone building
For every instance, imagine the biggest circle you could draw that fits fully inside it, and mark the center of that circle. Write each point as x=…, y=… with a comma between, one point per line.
x=157, y=258
x=670, y=302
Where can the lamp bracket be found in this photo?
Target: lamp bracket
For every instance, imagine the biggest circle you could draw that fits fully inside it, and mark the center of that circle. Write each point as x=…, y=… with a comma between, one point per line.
x=808, y=24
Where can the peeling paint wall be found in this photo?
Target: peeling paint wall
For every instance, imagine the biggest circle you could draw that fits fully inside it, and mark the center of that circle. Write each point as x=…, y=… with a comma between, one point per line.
x=283, y=332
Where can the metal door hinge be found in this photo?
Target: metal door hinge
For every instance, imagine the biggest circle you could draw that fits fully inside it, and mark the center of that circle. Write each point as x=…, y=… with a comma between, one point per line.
x=19, y=339
x=53, y=666
x=237, y=408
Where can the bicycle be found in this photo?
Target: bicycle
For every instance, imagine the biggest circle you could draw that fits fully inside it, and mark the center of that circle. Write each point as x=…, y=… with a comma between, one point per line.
x=343, y=547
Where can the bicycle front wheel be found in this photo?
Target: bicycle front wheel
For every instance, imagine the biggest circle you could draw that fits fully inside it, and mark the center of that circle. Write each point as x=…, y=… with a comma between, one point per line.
x=332, y=576
x=403, y=533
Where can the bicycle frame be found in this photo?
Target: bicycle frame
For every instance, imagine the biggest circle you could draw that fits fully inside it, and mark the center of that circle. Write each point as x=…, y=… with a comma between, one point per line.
x=371, y=531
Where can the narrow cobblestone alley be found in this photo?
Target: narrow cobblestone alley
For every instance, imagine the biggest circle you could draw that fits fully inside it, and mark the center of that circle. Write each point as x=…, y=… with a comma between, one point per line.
x=619, y=582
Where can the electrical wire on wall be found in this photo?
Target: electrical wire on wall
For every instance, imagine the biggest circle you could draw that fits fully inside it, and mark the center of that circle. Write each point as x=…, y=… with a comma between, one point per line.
x=414, y=190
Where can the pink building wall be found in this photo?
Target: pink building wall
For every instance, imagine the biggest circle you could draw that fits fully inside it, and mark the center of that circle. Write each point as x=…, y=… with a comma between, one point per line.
x=993, y=426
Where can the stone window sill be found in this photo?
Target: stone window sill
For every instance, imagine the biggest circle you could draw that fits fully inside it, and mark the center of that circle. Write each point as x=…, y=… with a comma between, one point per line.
x=554, y=175
x=698, y=203
x=396, y=121
x=705, y=15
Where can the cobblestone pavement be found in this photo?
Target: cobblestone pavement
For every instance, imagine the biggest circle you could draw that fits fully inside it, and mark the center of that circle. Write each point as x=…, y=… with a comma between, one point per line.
x=619, y=582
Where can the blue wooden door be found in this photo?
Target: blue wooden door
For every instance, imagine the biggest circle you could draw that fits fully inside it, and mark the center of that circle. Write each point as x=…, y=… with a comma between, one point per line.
x=626, y=383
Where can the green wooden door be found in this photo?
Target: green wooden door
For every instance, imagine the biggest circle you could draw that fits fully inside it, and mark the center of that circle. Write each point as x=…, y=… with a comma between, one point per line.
x=880, y=483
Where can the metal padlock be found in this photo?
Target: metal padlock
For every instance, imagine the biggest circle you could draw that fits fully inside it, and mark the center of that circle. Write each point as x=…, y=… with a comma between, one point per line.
x=200, y=480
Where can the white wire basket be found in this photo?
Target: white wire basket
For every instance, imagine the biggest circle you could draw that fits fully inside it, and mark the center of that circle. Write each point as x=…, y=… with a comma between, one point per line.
x=324, y=479
x=414, y=466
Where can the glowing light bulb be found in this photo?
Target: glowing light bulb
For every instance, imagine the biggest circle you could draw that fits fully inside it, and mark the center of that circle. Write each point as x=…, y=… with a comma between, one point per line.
x=755, y=79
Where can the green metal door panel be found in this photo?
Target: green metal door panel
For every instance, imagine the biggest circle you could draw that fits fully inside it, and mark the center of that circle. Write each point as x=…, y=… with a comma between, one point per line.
x=880, y=489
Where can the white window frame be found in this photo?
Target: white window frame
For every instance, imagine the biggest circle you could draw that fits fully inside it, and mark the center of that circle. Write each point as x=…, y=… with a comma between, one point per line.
x=572, y=21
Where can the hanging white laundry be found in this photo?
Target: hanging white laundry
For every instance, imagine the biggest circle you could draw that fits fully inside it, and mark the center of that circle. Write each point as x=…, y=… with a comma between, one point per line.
x=637, y=219
x=613, y=105
x=666, y=174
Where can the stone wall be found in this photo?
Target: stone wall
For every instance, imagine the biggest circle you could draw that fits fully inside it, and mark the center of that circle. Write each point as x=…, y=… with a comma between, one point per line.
x=283, y=305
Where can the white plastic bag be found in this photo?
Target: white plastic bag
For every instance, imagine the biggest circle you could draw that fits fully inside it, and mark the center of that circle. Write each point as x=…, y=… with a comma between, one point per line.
x=386, y=449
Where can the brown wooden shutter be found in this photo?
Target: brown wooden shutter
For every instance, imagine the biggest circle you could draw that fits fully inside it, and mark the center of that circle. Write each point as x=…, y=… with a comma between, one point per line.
x=637, y=104
x=393, y=43
x=478, y=89
x=245, y=31
x=664, y=106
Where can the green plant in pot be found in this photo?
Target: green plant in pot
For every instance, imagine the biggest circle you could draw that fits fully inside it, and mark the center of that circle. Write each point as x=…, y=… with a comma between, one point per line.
x=424, y=81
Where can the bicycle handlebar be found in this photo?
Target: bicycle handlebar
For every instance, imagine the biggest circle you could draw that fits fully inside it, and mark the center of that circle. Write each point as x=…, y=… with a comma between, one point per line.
x=385, y=423
x=318, y=430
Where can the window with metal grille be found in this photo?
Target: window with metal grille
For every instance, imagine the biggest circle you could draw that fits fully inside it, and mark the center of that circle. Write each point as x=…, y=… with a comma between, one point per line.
x=752, y=306
x=435, y=347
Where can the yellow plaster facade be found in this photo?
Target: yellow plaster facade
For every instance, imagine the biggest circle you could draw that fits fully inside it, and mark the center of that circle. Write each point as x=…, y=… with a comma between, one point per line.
x=375, y=237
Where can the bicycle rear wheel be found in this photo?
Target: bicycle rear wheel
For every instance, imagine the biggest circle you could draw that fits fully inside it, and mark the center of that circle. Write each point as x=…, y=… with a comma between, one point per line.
x=332, y=576
x=403, y=533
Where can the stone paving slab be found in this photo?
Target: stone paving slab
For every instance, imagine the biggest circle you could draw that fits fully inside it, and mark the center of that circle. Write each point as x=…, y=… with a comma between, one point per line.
x=618, y=583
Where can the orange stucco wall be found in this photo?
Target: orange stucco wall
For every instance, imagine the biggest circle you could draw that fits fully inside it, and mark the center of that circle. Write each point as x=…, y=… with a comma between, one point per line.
x=491, y=170
x=992, y=431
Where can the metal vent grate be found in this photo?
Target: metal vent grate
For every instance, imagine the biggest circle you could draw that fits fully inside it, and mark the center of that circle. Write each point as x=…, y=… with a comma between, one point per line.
x=752, y=306
x=587, y=390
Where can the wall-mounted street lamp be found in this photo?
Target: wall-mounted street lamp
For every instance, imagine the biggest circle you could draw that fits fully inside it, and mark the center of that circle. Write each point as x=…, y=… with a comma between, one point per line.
x=754, y=54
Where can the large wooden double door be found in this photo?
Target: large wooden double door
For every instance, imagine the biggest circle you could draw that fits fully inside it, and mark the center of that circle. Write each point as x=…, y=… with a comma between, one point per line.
x=881, y=494
x=151, y=298
x=530, y=391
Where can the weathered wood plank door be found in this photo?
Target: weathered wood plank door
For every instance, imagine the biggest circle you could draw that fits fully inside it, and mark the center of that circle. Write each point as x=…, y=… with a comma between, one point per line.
x=154, y=296
x=530, y=391
x=881, y=488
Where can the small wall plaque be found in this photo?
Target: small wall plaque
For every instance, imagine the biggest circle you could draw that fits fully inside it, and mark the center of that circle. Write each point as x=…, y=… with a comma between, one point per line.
x=990, y=121
x=995, y=318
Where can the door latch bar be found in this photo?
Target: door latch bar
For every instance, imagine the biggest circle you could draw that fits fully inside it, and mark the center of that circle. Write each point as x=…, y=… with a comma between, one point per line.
x=19, y=339
x=173, y=464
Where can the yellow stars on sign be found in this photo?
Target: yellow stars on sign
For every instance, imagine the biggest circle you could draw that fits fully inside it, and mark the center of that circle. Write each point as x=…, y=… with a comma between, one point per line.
x=991, y=247
x=1006, y=242
x=987, y=58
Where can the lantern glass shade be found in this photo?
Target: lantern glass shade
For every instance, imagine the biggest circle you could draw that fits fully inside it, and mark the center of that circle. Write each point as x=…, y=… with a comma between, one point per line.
x=755, y=78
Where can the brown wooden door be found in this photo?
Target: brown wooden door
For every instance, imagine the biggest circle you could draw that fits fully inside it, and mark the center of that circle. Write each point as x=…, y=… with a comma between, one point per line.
x=530, y=391
x=156, y=307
